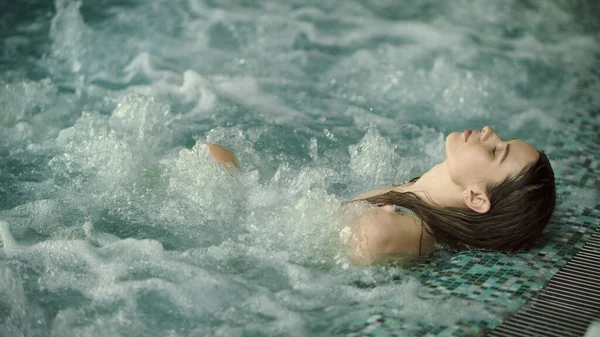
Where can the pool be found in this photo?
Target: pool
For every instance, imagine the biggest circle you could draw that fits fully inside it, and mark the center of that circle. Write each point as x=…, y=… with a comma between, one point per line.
x=122, y=226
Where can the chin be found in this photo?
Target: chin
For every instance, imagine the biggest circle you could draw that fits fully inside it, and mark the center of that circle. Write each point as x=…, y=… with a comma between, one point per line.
x=450, y=142
x=453, y=138
x=453, y=142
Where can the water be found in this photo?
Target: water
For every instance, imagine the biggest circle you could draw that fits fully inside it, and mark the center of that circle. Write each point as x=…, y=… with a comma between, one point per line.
x=123, y=227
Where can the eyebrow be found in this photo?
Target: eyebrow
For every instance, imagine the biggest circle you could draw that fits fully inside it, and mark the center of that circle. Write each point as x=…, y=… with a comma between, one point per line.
x=505, y=154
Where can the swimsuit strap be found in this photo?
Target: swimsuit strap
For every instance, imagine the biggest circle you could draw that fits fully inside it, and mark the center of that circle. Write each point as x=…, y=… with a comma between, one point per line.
x=404, y=210
x=410, y=212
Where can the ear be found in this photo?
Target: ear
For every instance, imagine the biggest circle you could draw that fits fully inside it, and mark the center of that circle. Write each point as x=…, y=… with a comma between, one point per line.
x=477, y=200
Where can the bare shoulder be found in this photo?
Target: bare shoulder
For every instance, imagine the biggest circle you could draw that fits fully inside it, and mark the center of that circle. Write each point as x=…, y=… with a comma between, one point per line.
x=380, y=234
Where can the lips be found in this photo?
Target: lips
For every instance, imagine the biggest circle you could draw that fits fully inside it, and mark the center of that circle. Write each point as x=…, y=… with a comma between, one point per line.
x=467, y=134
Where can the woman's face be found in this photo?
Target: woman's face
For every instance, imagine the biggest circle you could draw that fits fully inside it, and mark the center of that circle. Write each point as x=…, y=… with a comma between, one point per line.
x=483, y=158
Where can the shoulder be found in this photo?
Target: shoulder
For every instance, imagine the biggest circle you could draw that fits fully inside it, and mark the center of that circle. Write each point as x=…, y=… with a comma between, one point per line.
x=380, y=234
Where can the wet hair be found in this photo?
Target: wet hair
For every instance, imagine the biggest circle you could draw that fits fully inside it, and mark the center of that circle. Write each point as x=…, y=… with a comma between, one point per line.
x=520, y=208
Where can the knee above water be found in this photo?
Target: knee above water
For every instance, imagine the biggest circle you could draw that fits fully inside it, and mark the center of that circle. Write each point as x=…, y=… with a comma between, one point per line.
x=222, y=155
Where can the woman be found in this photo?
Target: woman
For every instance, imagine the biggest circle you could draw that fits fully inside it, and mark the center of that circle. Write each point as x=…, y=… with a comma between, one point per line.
x=487, y=194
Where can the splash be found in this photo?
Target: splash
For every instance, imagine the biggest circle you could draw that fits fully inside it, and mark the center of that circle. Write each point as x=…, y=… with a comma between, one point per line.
x=119, y=222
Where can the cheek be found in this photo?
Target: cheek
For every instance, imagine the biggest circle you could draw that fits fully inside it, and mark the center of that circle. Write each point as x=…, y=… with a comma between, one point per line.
x=479, y=164
x=459, y=169
x=469, y=165
x=486, y=171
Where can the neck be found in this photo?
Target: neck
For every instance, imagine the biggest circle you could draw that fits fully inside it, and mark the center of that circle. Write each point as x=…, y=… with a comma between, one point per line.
x=437, y=189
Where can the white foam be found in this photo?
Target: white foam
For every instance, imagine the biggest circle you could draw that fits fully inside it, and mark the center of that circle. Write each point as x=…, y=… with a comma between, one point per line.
x=99, y=239
x=68, y=32
x=92, y=149
x=246, y=91
x=23, y=100
x=374, y=161
x=159, y=80
x=142, y=122
x=313, y=149
x=201, y=187
x=8, y=241
x=39, y=215
x=20, y=318
x=146, y=66
x=196, y=88
x=117, y=149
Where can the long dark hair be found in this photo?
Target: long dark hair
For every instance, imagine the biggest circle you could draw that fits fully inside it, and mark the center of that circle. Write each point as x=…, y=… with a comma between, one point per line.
x=520, y=208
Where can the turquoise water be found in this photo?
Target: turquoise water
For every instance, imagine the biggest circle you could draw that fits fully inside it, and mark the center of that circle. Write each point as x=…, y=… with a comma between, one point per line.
x=122, y=225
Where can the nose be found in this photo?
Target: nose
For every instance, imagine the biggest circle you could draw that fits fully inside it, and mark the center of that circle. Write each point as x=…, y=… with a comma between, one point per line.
x=487, y=132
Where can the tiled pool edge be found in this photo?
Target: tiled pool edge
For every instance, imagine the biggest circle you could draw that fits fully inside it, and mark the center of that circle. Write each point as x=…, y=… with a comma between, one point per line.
x=568, y=303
